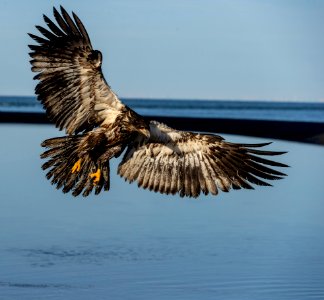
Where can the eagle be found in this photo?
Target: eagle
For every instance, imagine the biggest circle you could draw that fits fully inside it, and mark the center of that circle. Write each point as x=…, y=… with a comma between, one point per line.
x=77, y=98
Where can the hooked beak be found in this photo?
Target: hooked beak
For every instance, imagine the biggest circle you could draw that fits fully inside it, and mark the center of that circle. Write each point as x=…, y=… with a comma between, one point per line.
x=145, y=132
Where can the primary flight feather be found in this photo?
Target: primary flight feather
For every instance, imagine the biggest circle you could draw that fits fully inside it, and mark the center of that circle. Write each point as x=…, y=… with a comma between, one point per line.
x=78, y=99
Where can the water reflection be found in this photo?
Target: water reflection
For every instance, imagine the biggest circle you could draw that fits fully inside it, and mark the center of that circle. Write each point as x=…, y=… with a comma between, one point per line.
x=134, y=244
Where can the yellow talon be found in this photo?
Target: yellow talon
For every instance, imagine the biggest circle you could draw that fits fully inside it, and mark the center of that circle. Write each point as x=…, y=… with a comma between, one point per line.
x=76, y=167
x=96, y=176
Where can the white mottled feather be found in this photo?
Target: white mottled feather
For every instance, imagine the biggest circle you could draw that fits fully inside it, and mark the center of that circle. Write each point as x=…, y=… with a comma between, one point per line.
x=173, y=161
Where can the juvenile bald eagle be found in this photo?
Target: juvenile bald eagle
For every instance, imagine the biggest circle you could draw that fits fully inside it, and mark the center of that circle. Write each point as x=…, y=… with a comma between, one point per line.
x=78, y=99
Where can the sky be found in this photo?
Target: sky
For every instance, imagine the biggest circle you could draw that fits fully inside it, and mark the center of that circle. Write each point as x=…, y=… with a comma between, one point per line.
x=184, y=49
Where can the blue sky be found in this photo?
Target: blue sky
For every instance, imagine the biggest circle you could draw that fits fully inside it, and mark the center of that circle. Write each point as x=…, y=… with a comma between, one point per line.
x=197, y=49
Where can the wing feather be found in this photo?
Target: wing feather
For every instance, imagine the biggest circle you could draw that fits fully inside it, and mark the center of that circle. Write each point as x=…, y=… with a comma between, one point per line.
x=136, y=167
x=81, y=28
x=141, y=173
x=195, y=190
x=211, y=177
x=222, y=180
x=150, y=175
x=163, y=182
x=61, y=21
x=71, y=83
x=146, y=171
x=266, y=161
x=156, y=175
x=181, y=176
x=56, y=30
x=236, y=180
x=38, y=39
x=49, y=35
x=187, y=175
x=186, y=163
x=174, y=174
x=202, y=182
x=236, y=168
x=70, y=24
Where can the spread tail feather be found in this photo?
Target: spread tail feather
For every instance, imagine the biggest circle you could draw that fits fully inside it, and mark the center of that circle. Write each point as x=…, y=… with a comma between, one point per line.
x=71, y=168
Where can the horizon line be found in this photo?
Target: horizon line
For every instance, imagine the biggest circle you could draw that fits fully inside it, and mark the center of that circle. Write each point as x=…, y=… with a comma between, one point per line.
x=200, y=99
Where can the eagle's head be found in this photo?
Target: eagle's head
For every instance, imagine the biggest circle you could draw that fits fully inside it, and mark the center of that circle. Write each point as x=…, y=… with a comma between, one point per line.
x=140, y=126
x=136, y=123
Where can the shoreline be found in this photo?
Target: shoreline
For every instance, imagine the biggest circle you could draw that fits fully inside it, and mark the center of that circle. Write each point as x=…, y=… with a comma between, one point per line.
x=305, y=132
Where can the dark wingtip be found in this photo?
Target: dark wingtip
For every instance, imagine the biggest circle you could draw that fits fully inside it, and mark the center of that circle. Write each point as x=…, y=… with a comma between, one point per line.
x=44, y=144
x=47, y=19
x=258, y=145
x=55, y=11
x=280, y=152
x=284, y=166
x=261, y=144
x=32, y=47
x=36, y=77
x=63, y=10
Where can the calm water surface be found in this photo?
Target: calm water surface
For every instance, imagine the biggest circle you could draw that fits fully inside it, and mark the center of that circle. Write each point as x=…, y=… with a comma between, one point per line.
x=133, y=244
x=255, y=110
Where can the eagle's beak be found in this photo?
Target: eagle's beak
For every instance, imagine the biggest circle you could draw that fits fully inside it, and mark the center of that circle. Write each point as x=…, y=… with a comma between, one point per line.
x=145, y=132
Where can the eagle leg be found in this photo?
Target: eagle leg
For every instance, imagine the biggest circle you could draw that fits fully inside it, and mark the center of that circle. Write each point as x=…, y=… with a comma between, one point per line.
x=76, y=167
x=96, y=176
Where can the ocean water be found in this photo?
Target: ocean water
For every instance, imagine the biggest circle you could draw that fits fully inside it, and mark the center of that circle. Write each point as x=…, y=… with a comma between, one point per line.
x=260, y=110
x=129, y=243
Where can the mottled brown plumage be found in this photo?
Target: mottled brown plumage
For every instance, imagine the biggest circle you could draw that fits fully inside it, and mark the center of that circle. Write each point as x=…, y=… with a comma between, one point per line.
x=78, y=99
x=188, y=163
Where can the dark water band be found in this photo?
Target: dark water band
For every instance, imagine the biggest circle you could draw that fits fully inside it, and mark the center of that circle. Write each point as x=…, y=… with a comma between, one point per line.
x=308, y=132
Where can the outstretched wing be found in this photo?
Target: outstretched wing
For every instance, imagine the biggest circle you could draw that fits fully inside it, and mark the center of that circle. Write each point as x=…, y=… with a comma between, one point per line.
x=71, y=85
x=173, y=162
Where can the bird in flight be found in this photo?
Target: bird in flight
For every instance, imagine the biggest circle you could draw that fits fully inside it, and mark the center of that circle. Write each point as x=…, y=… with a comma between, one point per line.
x=99, y=127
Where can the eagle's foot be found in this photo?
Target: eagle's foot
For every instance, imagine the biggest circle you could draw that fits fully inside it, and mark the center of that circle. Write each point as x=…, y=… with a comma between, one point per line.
x=76, y=167
x=96, y=176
